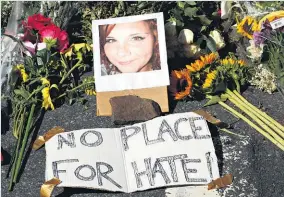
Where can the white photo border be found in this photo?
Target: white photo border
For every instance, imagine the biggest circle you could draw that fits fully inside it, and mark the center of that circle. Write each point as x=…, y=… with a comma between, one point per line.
x=128, y=81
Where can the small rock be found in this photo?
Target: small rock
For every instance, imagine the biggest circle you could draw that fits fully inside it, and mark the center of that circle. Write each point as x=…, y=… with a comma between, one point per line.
x=133, y=109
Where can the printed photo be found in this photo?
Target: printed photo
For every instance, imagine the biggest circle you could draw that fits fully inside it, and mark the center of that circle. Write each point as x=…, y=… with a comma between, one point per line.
x=130, y=53
x=129, y=47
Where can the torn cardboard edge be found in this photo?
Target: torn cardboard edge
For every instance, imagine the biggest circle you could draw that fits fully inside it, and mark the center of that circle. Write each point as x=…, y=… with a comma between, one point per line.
x=221, y=182
x=157, y=94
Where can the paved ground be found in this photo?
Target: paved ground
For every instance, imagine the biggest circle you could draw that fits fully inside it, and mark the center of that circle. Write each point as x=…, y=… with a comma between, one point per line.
x=257, y=164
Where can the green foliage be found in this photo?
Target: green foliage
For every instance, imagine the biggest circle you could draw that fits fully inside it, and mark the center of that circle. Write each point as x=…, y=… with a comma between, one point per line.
x=6, y=7
x=188, y=14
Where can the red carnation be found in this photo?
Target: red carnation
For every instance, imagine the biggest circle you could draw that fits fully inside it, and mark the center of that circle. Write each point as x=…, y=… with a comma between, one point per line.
x=63, y=41
x=49, y=35
x=38, y=21
x=219, y=12
x=49, y=32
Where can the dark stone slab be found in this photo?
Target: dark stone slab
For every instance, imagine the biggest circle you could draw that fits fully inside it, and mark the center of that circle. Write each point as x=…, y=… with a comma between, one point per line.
x=133, y=109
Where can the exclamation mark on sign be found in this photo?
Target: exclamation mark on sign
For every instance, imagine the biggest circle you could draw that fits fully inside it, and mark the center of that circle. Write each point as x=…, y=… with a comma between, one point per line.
x=209, y=165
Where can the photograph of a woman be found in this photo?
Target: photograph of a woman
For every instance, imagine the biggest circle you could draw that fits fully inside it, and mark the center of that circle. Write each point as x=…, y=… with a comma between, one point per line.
x=129, y=47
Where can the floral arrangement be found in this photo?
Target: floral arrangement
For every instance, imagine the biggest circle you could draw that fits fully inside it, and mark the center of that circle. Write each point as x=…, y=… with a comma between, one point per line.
x=47, y=75
x=220, y=80
x=265, y=48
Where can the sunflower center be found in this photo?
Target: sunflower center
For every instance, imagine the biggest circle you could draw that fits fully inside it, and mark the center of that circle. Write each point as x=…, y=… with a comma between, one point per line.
x=182, y=85
x=248, y=28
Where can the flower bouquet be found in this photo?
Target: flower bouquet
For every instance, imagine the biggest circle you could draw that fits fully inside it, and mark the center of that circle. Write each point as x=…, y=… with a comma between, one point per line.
x=44, y=77
x=220, y=80
x=265, y=50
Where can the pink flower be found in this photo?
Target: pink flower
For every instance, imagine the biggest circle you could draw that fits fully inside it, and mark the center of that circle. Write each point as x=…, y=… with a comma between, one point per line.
x=31, y=47
x=49, y=32
x=63, y=41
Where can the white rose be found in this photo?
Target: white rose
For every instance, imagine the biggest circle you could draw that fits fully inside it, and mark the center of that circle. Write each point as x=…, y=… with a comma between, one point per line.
x=170, y=29
x=219, y=40
x=191, y=50
x=255, y=52
x=185, y=36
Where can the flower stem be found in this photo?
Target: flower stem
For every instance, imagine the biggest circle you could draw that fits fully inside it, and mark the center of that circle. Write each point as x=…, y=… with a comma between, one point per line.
x=79, y=86
x=260, y=112
x=25, y=140
x=251, y=124
x=15, y=156
x=230, y=132
x=256, y=119
x=70, y=71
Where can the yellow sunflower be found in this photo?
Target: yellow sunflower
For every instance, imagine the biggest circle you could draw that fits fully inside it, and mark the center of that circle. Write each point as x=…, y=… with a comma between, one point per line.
x=90, y=92
x=22, y=70
x=183, y=83
x=227, y=61
x=247, y=27
x=209, y=58
x=204, y=60
x=209, y=79
x=46, y=103
x=241, y=62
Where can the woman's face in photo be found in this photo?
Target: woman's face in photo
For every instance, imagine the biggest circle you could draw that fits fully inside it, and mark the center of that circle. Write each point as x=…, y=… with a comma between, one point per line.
x=129, y=46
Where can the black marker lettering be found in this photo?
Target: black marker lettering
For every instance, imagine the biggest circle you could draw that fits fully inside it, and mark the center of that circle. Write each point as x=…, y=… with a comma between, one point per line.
x=96, y=143
x=148, y=172
x=158, y=168
x=104, y=174
x=187, y=171
x=195, y=129
x=188, y=137
x=209, y=164
x=83, y=178
x=167, y=129
x=55, y=166
x=171, y=161
x=70, y=141
x=125, y=137
x=147, y=141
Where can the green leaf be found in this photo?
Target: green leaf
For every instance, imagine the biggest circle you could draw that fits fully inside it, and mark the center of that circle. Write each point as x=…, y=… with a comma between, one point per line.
x=42, y=56
x=54, y=86
x=203, y=28
x=204, y=20
x=211, y=44
x=214, y=100
x=181, y=4
x=190, y=12
x=191, y=3
x=21, y=92
x=224, y=97
x=221, y=87
x=179, y=23
x=116, y=11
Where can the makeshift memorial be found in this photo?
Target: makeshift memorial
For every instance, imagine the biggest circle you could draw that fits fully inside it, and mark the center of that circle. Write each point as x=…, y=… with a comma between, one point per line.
x=45, y=74
x=130, y=50
x=156, y=153
x=221, y=79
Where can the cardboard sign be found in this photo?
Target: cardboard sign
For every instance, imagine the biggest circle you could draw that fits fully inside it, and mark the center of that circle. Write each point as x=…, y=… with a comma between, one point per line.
x=130, y=57
x=172, y=150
